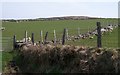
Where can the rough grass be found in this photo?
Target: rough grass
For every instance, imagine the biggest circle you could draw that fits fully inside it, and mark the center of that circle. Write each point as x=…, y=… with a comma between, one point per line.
x=6, y=57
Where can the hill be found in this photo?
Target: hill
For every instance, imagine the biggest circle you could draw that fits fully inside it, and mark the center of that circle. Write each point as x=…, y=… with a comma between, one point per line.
x=68, y=18
x=53, y=18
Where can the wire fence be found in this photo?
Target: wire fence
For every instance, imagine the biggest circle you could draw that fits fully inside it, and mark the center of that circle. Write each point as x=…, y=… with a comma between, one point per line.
x=7, y=43
x=73, y=36
x=81, y=37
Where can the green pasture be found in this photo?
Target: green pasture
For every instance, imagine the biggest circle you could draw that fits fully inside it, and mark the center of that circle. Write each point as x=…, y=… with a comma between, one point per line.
x=18, y=29
x=109, y=40
x=5, y=58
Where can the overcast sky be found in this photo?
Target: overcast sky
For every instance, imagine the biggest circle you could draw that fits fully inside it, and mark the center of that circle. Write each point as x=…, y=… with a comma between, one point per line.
x=43, y=8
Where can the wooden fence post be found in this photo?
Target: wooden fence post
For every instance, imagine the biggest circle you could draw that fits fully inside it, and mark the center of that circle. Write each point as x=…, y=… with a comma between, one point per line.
x=32, y=38
x=63, y=38
x=41, y=36
x=46, y=37
x=25, y=36
x=67, y=34
x=99, y=44
x=78, y=31
x=54, y=36
x=14, y=42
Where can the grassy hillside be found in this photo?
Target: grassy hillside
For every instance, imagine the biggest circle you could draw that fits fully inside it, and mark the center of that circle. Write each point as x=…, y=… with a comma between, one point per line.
x=18, y=29
x=108, y=40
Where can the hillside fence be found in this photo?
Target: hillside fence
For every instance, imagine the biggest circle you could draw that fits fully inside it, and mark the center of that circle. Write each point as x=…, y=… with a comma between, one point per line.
x=68, y=37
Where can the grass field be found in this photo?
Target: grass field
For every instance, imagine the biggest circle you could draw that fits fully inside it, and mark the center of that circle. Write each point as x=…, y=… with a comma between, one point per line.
x=1, y=61
x=5, y=58
x=109, y=40
x=18, y=29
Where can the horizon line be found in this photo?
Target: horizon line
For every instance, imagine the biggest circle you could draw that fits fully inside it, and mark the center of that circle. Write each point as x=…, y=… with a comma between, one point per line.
x=58, y=16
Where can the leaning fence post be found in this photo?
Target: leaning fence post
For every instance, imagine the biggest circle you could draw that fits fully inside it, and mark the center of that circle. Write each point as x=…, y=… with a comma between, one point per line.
x=46, y=36
x=32, y=38
x=63, y=38
x=54, y=37
x=14, y=42
x=99, y=44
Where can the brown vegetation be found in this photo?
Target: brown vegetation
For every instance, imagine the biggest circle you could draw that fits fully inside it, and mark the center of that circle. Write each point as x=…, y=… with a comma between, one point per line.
x=68, y=59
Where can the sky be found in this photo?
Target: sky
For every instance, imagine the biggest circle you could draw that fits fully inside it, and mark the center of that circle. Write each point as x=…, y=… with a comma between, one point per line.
x=13, y=9
x=59, y=0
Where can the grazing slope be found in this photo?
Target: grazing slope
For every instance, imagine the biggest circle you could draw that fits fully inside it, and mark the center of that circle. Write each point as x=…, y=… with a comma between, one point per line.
x=19, y=28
